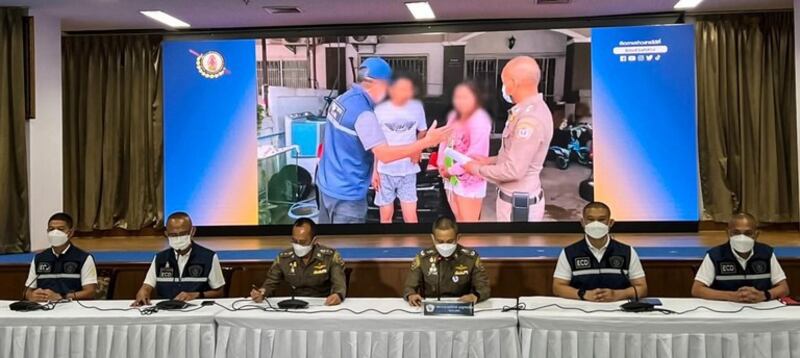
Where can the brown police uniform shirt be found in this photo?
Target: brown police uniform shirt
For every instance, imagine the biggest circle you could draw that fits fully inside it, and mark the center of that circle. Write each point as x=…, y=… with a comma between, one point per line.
x=526, y=139
x=321, y=277
x=460, y=274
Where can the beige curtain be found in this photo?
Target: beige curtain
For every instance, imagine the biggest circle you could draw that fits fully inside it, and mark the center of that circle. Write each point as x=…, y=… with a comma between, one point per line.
x=112, y=131
x=14, y=230
x=746, y=116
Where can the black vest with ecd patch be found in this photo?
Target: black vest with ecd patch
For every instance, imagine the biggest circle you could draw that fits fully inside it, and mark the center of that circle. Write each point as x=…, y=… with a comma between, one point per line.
x=611, y=272
x=730, y=276
x=169, y=283
x=61, y=274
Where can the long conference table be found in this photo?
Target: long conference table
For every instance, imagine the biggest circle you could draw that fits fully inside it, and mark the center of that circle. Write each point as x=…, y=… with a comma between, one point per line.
x=380, y=327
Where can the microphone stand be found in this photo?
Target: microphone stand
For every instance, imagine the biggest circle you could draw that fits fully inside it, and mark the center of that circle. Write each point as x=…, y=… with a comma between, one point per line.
x=292, y=303
x=439, y=279
x=25, y=305
x=635, y=305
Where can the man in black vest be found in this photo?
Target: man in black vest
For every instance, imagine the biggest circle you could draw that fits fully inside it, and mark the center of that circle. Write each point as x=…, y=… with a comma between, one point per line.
x=184, y=272
x=599, y=268
x=741, y=270
x=62, y=270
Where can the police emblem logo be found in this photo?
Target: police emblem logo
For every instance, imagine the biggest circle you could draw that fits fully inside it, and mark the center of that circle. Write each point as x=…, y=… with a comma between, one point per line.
x=616, y=261
x=44, y=267
x=455, y=279
x=430, y=308
x=195, y=271
x=759, y=266
x=582, y=263
x=210, y=64
x=727, y=267
x=336, y=111
x=524, y=132
x=70, y=267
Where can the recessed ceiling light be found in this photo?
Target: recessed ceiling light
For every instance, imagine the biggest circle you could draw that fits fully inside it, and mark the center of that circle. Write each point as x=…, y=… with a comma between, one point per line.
x=165, y=19
x=687, y=4
x=421, y=10
x=282, y=9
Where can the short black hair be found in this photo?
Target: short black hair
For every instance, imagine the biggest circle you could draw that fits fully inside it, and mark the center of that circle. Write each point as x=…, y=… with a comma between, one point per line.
x=596, y=205
x=406, y=75
x=445, y=223
x=747, y=216
x=306, y=221
x=61, y=216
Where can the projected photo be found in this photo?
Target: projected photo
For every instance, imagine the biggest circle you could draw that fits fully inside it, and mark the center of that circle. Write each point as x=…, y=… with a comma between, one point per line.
x=265, y=131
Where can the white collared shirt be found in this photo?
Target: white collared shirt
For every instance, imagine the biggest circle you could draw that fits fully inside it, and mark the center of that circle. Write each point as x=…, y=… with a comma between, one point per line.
x=707, y=273
x=564, y=269
x=215, y=277
x=88, y=271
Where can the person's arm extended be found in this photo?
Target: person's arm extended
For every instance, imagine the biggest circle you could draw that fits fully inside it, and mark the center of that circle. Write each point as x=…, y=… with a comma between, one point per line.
x=88, y=292
x=781, y=289
x=371, y=135
x=274, y=278
x=638, y=289
x=701, y=290
x=561, y=288
x=143, y=296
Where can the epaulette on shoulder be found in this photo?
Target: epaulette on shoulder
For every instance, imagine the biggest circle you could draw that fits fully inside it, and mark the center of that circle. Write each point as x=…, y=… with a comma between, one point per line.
x=326, y=251
x=468, y=252
x=286, y=253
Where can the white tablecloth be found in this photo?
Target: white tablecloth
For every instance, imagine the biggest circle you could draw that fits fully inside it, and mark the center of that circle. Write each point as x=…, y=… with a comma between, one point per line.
x=554, y=332
x=491, y=334
x=73, y=331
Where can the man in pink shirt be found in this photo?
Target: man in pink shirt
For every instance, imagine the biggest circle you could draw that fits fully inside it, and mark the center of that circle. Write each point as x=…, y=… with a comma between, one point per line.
x=516, y=169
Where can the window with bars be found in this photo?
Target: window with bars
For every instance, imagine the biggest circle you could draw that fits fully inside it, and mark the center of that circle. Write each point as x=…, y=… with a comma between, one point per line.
x=416, y=65
x=486, y=73
x=285, y=73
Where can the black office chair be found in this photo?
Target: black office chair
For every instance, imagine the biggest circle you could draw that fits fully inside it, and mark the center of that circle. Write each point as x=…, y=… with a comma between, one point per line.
x=227, y=274
x=347, y=272
x=106, y=283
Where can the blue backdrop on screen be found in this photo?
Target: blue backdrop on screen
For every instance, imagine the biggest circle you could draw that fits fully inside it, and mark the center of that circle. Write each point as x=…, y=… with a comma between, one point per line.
x=210, y=131
x=644, y=115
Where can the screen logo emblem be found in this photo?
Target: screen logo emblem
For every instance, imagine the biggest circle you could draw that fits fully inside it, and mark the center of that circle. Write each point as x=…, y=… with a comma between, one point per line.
x=210, y=64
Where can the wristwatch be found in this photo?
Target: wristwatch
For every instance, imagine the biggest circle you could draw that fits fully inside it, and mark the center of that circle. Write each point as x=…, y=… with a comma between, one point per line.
x=581, y=292
x=767, y=295
x=201, y=295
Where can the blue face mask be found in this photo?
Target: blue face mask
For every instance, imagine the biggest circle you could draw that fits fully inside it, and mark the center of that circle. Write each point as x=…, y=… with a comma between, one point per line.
x=506, y=96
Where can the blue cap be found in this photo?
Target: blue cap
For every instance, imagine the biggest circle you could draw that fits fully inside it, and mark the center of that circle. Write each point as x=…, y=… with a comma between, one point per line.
x=375, y=68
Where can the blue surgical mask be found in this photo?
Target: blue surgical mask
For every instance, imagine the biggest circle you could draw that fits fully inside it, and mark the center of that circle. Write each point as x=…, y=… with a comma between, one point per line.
x=506, y=96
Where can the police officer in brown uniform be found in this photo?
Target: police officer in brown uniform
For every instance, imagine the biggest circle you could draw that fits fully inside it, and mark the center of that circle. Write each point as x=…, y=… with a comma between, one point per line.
x=311, y=269
x=446, y=270
x=526, y=138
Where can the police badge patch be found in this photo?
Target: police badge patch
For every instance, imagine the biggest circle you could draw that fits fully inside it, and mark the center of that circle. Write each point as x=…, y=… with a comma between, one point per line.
x=616, y=261
x=759, y=266
x=70, y=267
x=195, y=270
x=210, y=64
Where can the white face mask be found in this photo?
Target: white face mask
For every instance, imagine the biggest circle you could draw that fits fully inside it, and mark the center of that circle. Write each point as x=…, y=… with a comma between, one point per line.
x=596, y=230
x=506, y=96
x=57, y=238
x=180, y=243
x=446, y=250
x=742, y=243
x=301, y=250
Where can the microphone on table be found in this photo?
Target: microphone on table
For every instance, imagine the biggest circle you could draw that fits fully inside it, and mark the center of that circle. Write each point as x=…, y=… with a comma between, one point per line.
x=292, y=303
x=24, y=305
x=635, y=305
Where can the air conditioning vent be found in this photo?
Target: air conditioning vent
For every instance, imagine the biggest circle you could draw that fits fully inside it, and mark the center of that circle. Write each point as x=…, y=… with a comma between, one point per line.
x=282, y=9
x=548, y=2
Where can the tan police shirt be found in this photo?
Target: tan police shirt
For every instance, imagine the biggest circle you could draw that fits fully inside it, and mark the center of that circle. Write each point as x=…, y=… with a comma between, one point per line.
x=526, y=139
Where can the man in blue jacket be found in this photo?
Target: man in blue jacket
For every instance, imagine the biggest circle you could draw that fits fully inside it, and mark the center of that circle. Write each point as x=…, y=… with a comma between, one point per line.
x=353, y=139
x=741, y=270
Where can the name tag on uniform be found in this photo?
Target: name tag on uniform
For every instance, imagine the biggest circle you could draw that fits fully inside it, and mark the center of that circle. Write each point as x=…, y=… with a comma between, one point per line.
x=583, y=263
x=166, y=272
x=727, y=267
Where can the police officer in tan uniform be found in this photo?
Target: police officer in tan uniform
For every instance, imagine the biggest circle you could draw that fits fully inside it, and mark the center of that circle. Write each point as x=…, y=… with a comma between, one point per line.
x=311, y=269
x=516, y=169
x=447, y=269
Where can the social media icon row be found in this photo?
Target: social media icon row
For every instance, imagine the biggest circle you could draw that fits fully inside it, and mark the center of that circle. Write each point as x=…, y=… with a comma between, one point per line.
x=639, y=58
